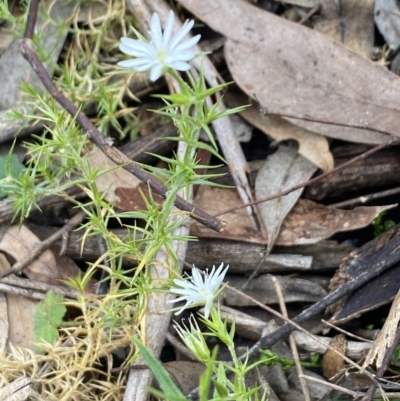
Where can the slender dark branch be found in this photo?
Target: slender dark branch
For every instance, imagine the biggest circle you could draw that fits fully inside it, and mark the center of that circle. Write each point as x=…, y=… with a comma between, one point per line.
x=106, y=145
x=32, y=17
x=46, y=244
x=315, y=179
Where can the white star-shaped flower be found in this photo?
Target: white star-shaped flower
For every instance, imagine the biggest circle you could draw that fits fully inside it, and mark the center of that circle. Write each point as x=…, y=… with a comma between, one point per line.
x=163, y=51
x=198, y=289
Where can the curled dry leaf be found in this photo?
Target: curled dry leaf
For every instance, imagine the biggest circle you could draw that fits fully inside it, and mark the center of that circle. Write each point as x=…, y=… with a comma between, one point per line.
x=312, y=146
x=295, y=71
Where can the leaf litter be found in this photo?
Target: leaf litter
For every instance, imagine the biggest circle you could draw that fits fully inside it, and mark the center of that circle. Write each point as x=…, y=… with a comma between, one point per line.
x=313, y=86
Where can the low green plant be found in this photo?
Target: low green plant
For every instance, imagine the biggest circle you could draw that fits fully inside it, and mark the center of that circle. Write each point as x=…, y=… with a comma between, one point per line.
x=57, y=160
x=381, y=224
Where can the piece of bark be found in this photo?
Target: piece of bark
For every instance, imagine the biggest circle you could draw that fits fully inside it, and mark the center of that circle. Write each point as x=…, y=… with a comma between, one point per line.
x=241, y=257
x=381, y=170
x=371, y=296
x=348, y=271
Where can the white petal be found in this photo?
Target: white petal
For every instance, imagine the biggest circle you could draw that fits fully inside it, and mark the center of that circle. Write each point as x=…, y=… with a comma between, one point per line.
x=171, y=301
x=187, y=26
x=139, y=64
x=184, y=55
x=179, y=65
x=187, y=44
x=155, y=30
x=197, y=278
x=219, y=277
x=180, y=283
x=127, y=64
x=168, y=28
x=156, y=72
x=135, y=44
x=131, y=52
x=182, y=309
x=185, y=284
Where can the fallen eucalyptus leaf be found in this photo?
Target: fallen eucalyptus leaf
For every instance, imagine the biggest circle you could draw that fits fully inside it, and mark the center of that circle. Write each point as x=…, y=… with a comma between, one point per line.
x=282, y=170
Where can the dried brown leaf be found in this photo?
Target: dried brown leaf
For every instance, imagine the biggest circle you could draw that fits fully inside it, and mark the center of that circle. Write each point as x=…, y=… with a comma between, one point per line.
x=307, y=223
x=311, y=222
x=19, y=242
x=312, y=146
x=185, y=374
x=18, y=318
x=295, y=71
x=239, y=227
x=282, y=170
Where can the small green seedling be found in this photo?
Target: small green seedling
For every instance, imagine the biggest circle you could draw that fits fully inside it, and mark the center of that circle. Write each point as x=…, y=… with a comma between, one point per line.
x=48, y=316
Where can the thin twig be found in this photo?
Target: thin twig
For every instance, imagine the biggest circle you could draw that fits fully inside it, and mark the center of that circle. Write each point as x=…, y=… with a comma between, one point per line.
x=42, y=246
x=32, y=17
x=313, y=180
x=106, y=145
x=313, y=11
x=366, y=198
x=345, y=332
x=292, y=342
x=343, y=390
